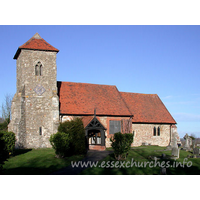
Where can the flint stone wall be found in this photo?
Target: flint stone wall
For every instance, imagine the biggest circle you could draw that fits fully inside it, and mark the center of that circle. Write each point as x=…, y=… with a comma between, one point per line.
x=31, y=110
x=144, y=133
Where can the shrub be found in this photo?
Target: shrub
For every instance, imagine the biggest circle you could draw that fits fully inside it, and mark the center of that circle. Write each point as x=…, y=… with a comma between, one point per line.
x=60, y=142
x=4, y=154
x=9, y=138
x=129, y=138
x=121, y=143
x=76, y=134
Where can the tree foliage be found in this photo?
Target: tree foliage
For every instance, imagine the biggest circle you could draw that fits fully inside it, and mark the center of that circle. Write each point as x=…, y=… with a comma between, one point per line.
x=3, y=153
x=193, y=136
x=121, y=143
x=72, y=136
x=4, y=125
x=9, y=138
x=7, y=144
x=60, y=142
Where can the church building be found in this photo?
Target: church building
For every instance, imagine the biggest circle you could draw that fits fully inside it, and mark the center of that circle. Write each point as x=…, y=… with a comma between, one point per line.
x=41, y=103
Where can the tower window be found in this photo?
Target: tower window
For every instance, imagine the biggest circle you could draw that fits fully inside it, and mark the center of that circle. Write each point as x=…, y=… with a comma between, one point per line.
x=38, y=69
x=40, y=130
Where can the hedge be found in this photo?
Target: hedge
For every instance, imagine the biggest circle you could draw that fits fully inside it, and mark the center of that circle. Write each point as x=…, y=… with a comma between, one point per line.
x=7, y=143
x=9, y=138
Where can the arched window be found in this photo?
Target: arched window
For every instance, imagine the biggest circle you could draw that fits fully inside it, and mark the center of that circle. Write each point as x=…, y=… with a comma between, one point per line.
x=154, y=131
x=158, y=131
x=38, y=69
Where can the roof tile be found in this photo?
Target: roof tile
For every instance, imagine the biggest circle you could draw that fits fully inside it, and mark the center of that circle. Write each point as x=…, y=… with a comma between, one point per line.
x=83, y=98
x=147, y=108
x=36, y=43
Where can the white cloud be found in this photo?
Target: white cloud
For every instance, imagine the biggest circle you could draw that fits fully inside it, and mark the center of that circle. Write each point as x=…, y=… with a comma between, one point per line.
x=187, y=117
x=167, y=97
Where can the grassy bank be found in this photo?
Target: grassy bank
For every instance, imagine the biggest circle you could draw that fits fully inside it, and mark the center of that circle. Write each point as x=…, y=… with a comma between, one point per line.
x=142, y=155
x=43, y=161
x=36, y=162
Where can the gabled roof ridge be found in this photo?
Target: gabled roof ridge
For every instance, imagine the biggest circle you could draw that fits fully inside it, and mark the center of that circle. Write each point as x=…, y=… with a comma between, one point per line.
x=138, y=93
x=87, y=83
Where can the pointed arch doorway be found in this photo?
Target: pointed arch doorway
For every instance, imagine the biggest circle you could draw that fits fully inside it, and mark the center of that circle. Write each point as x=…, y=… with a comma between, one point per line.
x=95, y=135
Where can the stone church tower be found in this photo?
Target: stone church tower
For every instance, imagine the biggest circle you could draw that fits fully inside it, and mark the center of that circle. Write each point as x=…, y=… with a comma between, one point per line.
x=35, y=106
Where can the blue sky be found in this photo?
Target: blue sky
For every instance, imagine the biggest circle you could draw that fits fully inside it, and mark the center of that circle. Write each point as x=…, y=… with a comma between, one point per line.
x=161, y=60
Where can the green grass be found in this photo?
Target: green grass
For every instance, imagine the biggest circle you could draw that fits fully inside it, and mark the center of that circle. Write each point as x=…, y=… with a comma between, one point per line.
x=142, y=154
x=43, y=161
x=36, y=162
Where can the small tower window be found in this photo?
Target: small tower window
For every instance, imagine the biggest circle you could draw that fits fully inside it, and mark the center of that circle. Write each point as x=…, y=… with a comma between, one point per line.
x=38, y=69
x=40, y=130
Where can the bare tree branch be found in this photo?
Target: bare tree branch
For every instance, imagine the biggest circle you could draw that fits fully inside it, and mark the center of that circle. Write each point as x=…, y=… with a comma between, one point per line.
x=6, y=107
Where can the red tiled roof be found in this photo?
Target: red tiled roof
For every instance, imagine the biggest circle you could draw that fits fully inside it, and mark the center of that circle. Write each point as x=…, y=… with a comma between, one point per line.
x=83, y=98
x=87, y=119
x=36, y=43
x=147, y=108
